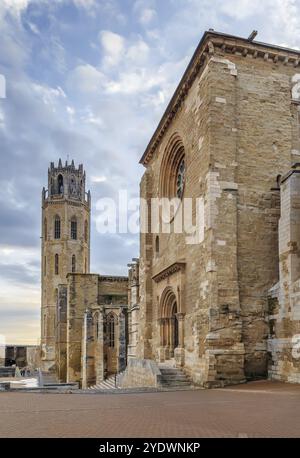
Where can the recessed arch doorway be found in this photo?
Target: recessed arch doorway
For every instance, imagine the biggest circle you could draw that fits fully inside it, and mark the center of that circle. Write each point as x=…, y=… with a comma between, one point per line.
x=169, y=326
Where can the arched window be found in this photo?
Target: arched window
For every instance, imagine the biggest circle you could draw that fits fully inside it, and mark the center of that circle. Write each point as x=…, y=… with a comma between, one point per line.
x=157, y=245
x=57, y=227
x=45, y=229
x=60, y=184
x=173, y=169
x=86, y=231
x=85, y=266
x=180, y=176
x=73, y=263
x=73, y=228
x=111, y=330
x=56, y=264
x=45, y=265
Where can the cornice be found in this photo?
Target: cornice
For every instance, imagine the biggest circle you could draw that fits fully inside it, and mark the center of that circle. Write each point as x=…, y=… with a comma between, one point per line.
x=113, y=278
x=70, y=202
x=172, y=269
x=211, y=43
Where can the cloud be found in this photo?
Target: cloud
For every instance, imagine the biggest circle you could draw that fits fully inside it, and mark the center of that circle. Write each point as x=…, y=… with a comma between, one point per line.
x=147, y=15
x=97, y=97
x=113, y=46
x=86, y=78
x=14, y=6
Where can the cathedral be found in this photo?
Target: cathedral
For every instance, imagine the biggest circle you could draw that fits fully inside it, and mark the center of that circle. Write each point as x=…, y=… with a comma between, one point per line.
x=219, y=300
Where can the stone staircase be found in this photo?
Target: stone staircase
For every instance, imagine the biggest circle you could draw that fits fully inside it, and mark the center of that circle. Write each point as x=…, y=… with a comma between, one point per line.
x=48, y=378
x=173, y=377
x=7, y=371
x=108, y=384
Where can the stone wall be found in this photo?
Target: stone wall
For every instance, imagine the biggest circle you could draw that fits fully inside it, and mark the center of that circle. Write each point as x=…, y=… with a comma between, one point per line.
x=82, y=293
x=284, y=297
x=91, y=299
x=237, y=124
x=61, y=333
x=133, y=308
x=141, y=373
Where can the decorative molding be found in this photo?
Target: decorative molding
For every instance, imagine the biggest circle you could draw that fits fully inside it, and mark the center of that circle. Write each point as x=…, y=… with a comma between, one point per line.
x=113, y=279
x=172, y=269
x=210, y=44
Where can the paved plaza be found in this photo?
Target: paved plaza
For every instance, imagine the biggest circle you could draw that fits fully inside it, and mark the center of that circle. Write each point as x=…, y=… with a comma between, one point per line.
x=257, y=409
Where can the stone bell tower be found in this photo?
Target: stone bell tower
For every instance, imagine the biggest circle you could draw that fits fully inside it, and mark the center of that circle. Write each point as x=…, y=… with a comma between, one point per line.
x=65, y=243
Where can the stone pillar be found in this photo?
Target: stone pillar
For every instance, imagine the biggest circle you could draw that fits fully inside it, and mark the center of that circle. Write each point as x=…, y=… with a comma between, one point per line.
x=289, y=236
x=161, y=349
x=179, y=351
x=61, y=334
x=84, y=353
x=122, y=342
x=100, y=349
x=171, y=335
x=180, y=317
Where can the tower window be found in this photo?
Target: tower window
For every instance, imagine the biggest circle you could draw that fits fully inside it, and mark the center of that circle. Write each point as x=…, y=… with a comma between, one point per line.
x=60, y=184
x=56, y=264
x=85, y=266
x=86, y=231
x=45, y=265
x=57, y=227
x=111, y=330
x=73, y=229
x=73, y=263
x=157, y=245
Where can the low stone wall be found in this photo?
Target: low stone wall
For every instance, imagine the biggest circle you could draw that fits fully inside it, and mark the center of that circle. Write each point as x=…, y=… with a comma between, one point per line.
x=141, y=373
x=284, y=367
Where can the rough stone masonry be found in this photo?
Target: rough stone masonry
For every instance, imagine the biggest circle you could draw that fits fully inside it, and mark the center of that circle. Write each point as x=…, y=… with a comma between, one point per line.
x=227, y=308
x=223, y=302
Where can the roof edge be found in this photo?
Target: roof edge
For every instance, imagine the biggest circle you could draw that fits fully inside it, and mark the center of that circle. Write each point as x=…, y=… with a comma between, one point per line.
x=171, y=107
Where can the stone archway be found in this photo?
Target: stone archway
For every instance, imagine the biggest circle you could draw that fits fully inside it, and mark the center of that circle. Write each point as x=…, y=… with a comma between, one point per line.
x=169, y=325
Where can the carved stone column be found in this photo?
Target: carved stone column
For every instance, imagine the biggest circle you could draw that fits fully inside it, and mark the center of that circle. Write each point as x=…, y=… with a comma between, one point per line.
x=180, y=318
x=179, y=351
x=171, y=335
x=161, y=349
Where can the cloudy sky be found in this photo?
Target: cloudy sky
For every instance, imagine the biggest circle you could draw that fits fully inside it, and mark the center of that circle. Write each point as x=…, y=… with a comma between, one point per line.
x=89, y=80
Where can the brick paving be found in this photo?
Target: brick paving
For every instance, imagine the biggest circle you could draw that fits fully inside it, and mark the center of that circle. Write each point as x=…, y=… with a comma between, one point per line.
x=257, y=409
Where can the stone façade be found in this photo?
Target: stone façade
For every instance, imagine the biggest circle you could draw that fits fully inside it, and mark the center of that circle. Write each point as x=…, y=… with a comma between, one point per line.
x=236, y=114
x=220, y=303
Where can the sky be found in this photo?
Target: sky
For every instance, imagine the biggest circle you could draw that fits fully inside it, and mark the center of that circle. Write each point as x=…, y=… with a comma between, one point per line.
x=89, y=80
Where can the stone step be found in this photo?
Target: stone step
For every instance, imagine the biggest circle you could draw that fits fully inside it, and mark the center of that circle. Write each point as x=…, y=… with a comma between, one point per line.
x=174, y=377
x=7, y=371
x=175, y=383
x=175, y=380
x=170, y=372
x=107, y=384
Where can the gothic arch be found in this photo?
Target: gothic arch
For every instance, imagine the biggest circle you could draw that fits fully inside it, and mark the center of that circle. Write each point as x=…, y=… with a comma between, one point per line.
x=74, y=228
x=172, y=175
x=60, y=184
x=167, y=302
x=169, y=328
x=57, y=227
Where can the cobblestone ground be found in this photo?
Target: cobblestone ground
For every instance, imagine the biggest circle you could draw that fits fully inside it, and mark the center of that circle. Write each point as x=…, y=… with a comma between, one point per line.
x=258, y=409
